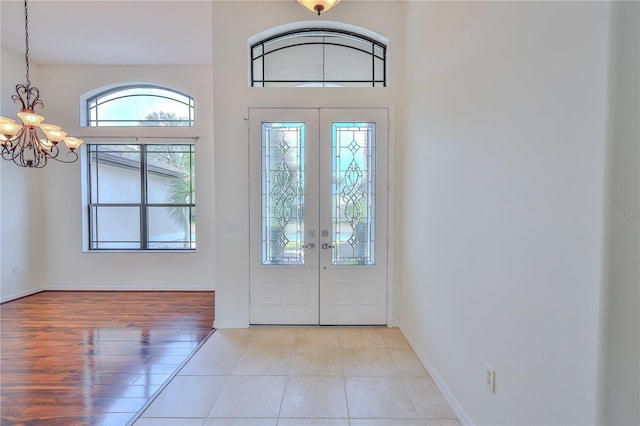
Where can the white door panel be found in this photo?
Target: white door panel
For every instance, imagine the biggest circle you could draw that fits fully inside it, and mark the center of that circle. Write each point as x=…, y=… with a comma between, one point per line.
x=318, y=216
x=282, y=216
x=353, y=186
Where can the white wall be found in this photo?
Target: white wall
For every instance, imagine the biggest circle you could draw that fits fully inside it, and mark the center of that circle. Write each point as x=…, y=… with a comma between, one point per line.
x=499, y=132
x=65, y=265
x=621, y=368
x=502, y=204
x=232, y=99
x=21, y=214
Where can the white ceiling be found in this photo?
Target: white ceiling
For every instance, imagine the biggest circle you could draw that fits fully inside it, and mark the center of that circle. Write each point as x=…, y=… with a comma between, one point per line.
x=112, y=32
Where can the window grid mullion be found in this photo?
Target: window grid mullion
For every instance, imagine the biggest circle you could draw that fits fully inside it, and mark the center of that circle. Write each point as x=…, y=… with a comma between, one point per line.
x=92, y=237
x=373, y=65
x=263, y=64
x=143, y=163
x=384, y=66
x=322, y=34
x=144, y=229
x=99, y=100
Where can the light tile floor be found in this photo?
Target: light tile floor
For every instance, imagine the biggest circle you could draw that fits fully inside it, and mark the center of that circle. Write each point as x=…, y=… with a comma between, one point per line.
x=315, y=376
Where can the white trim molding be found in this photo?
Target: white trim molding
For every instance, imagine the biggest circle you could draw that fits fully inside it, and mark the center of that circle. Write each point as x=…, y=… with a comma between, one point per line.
x=457, y=408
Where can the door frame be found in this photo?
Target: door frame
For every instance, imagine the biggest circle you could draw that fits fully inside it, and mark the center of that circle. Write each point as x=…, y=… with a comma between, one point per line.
x=392, y=297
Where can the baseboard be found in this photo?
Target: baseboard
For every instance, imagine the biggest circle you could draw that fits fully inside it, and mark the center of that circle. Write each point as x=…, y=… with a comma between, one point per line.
x=21, y=294
x=129, y=287
x=457, y=408
x=116, y=287
x=230, y=324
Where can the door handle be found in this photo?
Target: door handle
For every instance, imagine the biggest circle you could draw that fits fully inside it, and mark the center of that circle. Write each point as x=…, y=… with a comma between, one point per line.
x=309, y=246
x=327, y=246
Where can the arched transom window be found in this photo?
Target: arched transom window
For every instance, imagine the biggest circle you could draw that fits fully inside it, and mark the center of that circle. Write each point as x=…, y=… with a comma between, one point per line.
x=322, y=57
x=139, y=105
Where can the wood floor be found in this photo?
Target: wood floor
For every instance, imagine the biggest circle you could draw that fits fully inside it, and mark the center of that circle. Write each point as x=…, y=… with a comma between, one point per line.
x=81, y=358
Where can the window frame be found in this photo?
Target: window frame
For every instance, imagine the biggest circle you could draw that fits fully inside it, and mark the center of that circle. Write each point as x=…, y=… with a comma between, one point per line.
x=143, y=205
x=329, y=31
x=90, y=100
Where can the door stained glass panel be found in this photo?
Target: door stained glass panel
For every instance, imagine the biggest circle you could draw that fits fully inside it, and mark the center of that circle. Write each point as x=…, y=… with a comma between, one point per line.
x=353, y=193
x=283, y=193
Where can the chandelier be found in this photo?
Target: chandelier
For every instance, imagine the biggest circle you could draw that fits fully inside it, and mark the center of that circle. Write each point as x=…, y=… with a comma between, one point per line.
x=318, y=6
x=22, y=142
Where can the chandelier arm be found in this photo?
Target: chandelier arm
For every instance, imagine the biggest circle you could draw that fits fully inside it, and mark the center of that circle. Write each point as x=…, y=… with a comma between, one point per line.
x=6, y=153
x=72, y=154
x=37, y=162
x=20, y=89
x=30, y=155
x=28, y=96
x=36, y=102
x=26, y=150
x=13, y=144
x=19, y=159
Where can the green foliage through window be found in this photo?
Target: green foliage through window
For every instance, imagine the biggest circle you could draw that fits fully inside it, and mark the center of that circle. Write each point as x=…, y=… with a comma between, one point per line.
x=141, y=197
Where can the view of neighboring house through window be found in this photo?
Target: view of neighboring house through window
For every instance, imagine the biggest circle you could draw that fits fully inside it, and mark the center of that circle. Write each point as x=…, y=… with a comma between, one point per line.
x=141, y=197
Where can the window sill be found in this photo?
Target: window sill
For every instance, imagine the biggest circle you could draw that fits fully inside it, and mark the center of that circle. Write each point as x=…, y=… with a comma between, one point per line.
x=137, y=251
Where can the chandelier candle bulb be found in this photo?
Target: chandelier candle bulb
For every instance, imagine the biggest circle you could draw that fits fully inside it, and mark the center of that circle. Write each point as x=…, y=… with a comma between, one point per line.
x=55, y=136
x=30, y=118
x=48, y=127
x=72, y=143
x=9, y=128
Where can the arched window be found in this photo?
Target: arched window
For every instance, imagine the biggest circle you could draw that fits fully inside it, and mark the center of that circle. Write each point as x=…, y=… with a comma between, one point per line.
x=139, y=105
x=138, y=195
x=318, y=57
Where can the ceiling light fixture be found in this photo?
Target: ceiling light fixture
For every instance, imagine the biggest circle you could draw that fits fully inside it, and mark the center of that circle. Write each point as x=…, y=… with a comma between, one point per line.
x=21, y=143
x=318, y=6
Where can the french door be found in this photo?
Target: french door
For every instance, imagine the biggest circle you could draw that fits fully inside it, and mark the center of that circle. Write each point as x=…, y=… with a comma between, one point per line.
x=318, y=216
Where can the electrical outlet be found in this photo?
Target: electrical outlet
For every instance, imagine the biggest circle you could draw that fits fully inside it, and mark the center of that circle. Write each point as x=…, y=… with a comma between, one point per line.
x=490, y=378
x=14, y=269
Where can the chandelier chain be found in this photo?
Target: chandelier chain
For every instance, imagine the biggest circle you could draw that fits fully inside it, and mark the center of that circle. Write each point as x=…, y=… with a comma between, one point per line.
x=26, y=40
